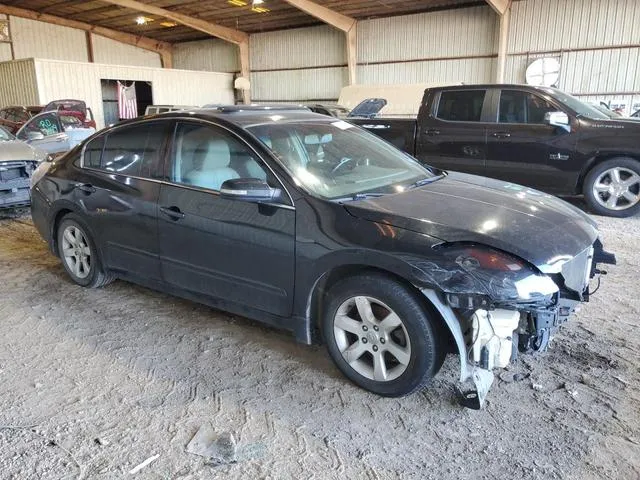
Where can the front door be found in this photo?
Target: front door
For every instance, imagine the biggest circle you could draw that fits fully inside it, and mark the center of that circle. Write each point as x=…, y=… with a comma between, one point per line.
x=523, y=149
x=453, y=136
x=44, y=131
x=231, y=250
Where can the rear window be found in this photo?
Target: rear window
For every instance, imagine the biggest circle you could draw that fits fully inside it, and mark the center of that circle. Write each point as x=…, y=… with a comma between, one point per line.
x=131, y=151
x=461, y=105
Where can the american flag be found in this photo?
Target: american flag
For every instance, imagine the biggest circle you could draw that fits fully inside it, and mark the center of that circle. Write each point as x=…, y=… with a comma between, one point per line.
x=127, y=102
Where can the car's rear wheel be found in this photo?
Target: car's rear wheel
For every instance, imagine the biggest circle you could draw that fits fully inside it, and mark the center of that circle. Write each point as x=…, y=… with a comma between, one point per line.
x=381, y=336
x=79, y=254
x=613, y=187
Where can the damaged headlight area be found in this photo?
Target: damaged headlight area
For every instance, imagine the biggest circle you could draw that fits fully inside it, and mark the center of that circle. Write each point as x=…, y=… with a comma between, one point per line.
x=475, y=276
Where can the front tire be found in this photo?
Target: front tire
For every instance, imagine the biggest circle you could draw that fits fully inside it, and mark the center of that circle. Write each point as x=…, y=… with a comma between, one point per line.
x=381, y=336
x=612, y=187
x=79, y=254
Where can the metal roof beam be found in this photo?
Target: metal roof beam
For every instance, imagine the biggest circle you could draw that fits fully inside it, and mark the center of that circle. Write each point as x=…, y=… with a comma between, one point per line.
x=333, y=18
x=500, y=6
x=123, y=37
x=229, y=34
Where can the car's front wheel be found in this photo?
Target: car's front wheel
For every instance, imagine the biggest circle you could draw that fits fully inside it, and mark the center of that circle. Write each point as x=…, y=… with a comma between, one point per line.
x=381, y=336
x=79, y=255
x=613, y=187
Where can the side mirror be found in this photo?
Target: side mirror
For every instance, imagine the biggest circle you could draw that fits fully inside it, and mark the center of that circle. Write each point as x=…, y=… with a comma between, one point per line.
x=31, y=136
x=249, y=190
x=558, y=119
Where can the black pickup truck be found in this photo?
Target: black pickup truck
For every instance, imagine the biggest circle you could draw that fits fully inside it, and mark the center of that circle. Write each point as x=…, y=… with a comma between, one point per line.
x=534, y=136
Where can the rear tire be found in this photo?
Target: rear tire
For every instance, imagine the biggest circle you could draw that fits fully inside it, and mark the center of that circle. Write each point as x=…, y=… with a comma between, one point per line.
x=79, y=254
x=612, y=188
x=380, y=335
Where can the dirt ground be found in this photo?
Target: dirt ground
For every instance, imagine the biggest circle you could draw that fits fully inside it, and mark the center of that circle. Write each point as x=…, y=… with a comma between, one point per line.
x=95, y=382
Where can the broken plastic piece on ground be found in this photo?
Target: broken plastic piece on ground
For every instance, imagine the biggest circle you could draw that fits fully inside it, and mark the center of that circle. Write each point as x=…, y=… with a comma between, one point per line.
x=474, y=399
x=469, y=399
x=217, y=448
x=135, y=470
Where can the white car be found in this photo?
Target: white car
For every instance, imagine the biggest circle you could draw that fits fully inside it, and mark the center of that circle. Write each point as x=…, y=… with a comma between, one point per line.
x=17, y=163
x=54, y=132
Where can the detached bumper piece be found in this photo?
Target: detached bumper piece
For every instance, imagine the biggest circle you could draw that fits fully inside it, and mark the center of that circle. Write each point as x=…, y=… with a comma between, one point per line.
x=15, y=183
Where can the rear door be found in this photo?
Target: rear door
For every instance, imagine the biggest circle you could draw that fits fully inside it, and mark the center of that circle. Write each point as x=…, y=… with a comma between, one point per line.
x=452, y=133
x=119, y=188
x=522, y=148
x=231, y=250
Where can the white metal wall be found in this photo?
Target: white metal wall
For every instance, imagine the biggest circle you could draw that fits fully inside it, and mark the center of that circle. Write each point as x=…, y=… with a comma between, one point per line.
x=18, y=84
x=34, y=39
x=298, y=64
x=597, y=43
x=44, y=40
x=58, y=79
x=207, y=55
x=111, y=52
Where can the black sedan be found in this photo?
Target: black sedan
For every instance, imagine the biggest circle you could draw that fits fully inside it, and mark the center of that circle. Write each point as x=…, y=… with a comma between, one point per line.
x=311, y=224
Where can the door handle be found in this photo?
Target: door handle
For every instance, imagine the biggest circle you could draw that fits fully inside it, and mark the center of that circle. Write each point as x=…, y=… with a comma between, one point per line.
x=61, y=138
x=172, y=212
x=502, y=134
x=432, y=131
x=85, y=187
x=376, y=126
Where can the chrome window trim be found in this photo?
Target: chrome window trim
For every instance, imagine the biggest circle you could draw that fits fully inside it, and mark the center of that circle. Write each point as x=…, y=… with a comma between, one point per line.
x=183, y=185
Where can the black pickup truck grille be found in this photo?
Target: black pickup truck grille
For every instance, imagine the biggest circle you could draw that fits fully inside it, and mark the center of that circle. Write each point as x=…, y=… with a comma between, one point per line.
x=15, y=183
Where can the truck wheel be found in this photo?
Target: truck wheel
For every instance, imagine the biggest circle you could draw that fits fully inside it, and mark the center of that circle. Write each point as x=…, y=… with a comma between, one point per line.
x=79, y=253
x=613, y=187
x=380, y=335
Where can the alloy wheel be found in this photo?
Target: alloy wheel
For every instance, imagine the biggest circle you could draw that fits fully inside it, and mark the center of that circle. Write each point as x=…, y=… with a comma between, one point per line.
x=617, y=188
x=76, y=251
x=372, y=338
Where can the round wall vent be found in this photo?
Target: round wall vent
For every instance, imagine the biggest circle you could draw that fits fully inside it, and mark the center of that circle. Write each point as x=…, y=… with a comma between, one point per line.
x=543, y=72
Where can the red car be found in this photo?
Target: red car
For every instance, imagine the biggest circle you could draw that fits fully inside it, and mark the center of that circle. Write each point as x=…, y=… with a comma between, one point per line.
x=75, y=108
x=12, y=118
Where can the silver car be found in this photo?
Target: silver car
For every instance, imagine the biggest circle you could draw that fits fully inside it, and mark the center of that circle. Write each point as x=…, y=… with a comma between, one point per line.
x=18, y=160
x=54, y=132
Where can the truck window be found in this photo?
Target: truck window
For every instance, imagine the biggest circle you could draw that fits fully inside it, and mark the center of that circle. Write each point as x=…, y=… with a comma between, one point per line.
x=523, y=107
x=461, y=105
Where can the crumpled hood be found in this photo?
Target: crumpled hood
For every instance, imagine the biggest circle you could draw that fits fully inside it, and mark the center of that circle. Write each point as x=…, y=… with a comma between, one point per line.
x=537, y=227
x=17, y=150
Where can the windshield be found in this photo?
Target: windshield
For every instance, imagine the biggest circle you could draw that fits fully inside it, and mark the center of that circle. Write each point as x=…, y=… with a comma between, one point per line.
x=336, y=160
x=5, y=136
x=578, y=106
x=70, y=122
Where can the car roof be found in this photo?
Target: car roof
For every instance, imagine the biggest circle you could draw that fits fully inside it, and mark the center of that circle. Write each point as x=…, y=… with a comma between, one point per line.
x=466, y=86
x=247, y=115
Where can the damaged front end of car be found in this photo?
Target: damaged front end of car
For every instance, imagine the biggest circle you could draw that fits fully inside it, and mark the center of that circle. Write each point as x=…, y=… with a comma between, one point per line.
x=496, y=304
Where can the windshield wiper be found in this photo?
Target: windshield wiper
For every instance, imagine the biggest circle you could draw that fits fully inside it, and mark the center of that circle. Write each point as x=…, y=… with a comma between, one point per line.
x=360, y=196
x=424, y=181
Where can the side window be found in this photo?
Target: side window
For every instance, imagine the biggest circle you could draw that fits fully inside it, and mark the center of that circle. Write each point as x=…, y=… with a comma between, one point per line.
x=46, y=124
x=523, y=107
x=93, y=152
x=20, y=115
x=461, y=105
x=135, y=150
x=206, y=157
